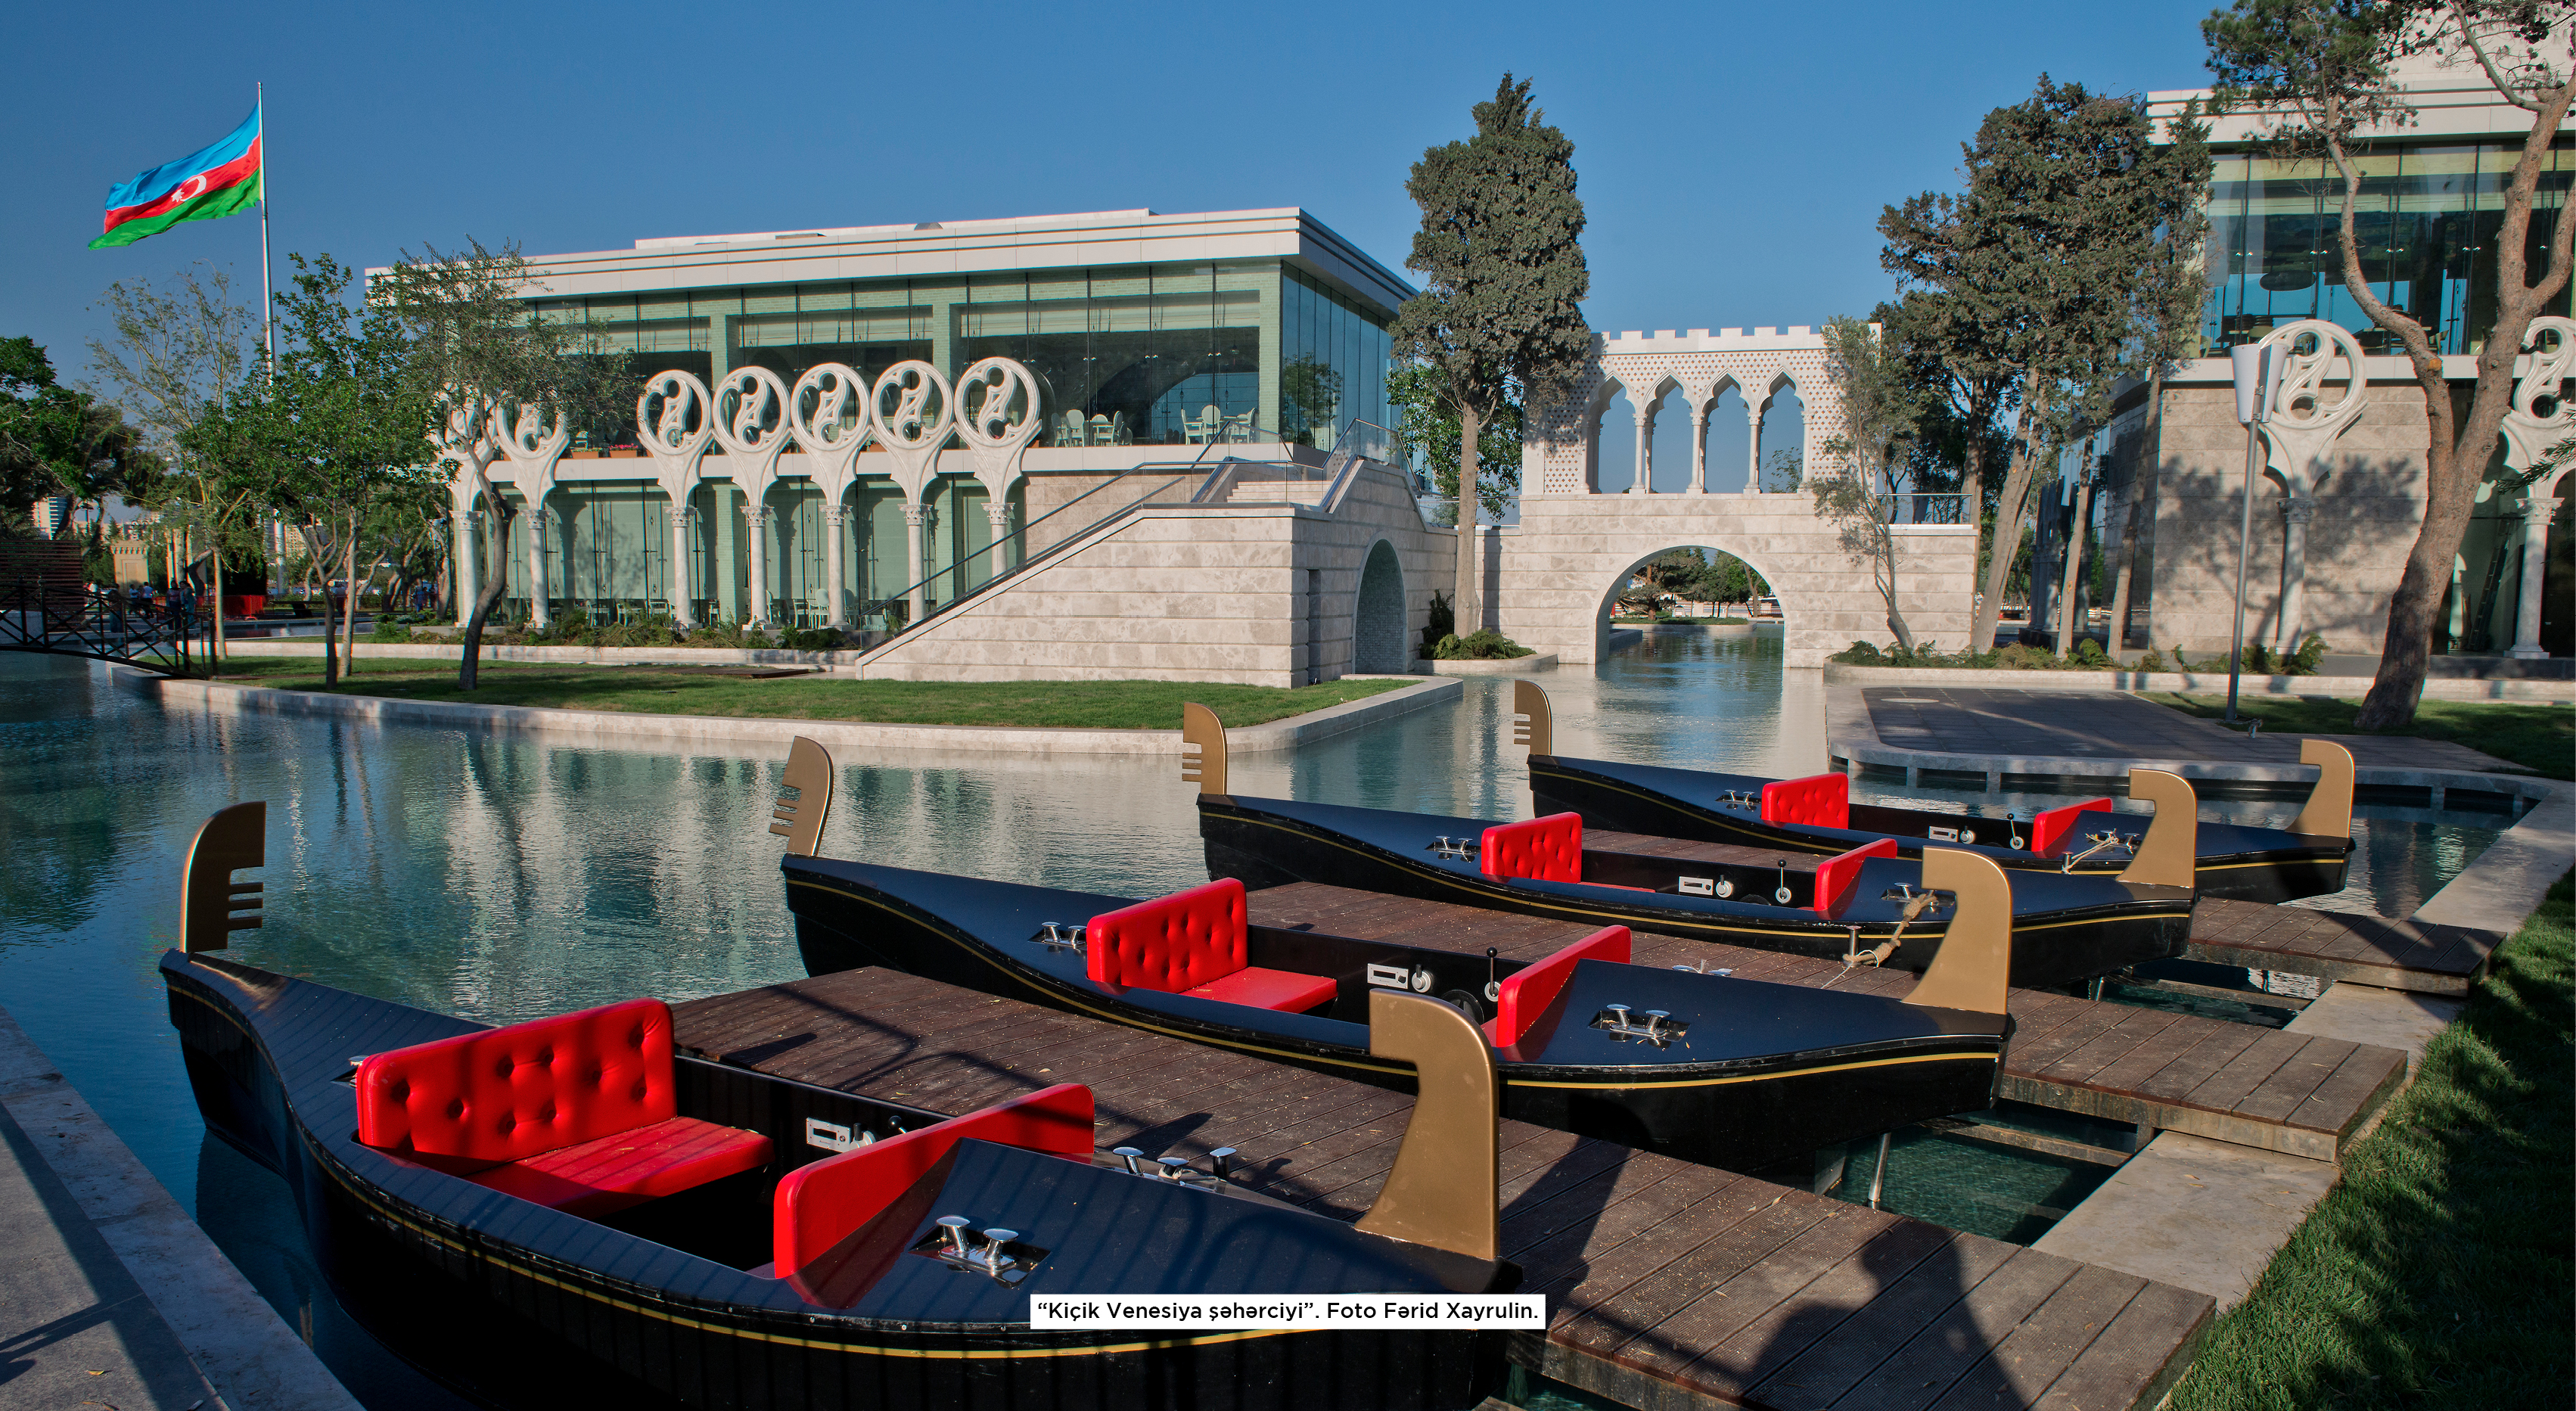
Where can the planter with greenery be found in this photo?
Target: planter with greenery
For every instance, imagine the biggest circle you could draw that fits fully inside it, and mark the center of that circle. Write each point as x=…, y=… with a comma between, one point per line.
x=1486, y=645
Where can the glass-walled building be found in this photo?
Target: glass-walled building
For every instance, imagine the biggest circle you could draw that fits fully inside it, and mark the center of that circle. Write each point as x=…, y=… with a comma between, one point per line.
x=2426, y=222
x=1155, y=338
x=1273, y=331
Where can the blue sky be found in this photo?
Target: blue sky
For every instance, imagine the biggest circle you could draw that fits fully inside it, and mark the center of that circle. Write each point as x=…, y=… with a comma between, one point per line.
x=1733, y=158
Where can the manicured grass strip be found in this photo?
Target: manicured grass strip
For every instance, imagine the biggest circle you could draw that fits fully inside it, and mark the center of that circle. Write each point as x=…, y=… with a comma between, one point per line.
x=2539, y=735
x=2438, y=1274
x=1088, y=705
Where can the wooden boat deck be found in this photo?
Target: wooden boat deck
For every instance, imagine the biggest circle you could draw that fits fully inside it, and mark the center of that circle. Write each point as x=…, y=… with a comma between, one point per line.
x=1668, y=1284
x=2331, y=945
x=2293, y=1093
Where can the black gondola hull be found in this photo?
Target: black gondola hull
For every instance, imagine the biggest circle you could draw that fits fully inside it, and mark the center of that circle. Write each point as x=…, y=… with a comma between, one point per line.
x=517, y=1305
x=2070, y=929
x=2236, y=863
x=1734, y=1114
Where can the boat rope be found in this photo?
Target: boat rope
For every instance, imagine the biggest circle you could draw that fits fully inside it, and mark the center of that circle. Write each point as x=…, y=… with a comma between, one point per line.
x=1879, y=954
x=2101, y=841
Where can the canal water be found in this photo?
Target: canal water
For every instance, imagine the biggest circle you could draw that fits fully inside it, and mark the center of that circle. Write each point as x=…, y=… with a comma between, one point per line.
x=503, y=877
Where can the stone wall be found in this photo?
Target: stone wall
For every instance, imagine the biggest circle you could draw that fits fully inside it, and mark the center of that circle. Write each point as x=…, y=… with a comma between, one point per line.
x=1557, y=572
x=1264, y=595
x=2367, y=511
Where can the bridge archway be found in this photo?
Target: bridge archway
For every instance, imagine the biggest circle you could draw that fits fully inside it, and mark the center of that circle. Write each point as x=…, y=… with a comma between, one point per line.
x=1378, y=620
x=1608, y=603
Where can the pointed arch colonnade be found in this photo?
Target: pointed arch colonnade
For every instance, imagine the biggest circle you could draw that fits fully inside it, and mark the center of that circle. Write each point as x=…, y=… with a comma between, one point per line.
x=747, y=423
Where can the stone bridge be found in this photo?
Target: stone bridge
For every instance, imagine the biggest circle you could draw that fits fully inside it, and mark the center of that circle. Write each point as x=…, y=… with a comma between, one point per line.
x=1552, y=579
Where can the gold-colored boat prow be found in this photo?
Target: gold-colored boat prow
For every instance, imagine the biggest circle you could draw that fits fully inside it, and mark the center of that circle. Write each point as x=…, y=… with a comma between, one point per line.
x=1973, y=968
x=2329, y=809
x=1203, y=732
x=1533, y=723
x=211, y=904
x=807, y=801
x=2169, y=855
x=1443, y=1191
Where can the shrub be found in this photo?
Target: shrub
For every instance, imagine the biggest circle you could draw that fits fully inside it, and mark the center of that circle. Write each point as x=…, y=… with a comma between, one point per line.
x=2089, y=653
x=1860, y=654
x=390, y=632
x=1479, y=646
x=2309, y=658
x=2180, y=662
x=1438, y=623
x=2258, y=660
x=653, y=631
x=812, y=639
x=2153, y=661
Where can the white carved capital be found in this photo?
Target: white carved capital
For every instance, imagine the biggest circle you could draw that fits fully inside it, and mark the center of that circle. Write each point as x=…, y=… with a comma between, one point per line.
x=997, y=417
x=913, y=414
x=751, y=424
x=2541, y=415
x=2304, y=425
x=535, y=443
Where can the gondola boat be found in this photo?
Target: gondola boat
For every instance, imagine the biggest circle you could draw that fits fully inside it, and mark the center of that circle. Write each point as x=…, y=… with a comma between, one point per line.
x=1863, y=906
x=1699, y=1066
x=570, y=1212
x=1816, y=815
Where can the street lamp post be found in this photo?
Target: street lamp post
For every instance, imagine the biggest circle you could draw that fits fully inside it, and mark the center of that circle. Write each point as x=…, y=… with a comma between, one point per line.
x=2258, y=374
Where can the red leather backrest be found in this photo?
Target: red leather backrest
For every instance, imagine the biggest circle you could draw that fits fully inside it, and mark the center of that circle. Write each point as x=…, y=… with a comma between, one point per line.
x=1817, y=801
x=818, y=1206
x=2047, y=828
x=1529, y=991
x=1835, y=875
x=1546, y=849
x=1173, y=943
x=511, y=1093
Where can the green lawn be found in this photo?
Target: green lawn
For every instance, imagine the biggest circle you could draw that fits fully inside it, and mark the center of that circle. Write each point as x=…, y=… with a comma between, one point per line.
x=2538, y=735
x=2438, y=1273
x=1097, y=705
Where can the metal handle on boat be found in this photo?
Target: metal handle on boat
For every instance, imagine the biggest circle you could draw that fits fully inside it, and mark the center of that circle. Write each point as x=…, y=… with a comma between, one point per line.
x=1446, y=846
x=1130, y=1155
x=1172, y=1166
x=955, y=1225
x=1660, y=1029
x=1056, y=935
x=994, y=1239
x=1222, y=1159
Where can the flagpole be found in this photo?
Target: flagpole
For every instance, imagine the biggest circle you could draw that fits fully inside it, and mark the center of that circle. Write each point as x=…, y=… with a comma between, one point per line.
x=267, y=307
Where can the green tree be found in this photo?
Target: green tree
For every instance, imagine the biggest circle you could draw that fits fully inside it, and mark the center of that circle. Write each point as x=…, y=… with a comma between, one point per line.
x=1501, y=313
x=1428, y=421
x=481, y=351
x=1880, y=407
x=2318, y=71
x=335, y=428
x=177, y=349
x=2075, y=223
x=57, y=440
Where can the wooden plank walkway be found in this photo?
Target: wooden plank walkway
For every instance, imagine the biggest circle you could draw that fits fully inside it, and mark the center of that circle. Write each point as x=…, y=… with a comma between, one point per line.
x=2331, y=945
x=2292, y=1093
x=1668, y=1284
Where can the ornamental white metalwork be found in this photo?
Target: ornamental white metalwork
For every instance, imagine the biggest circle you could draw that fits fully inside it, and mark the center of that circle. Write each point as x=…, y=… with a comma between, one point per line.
x=828, y=411
x=998, y=415
x=2542, y=415
x=914, y=413
x=2301, y=435
x=673, y=424
x=535, y=442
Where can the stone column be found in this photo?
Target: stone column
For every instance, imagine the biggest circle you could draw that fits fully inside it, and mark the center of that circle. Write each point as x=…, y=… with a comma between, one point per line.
x=1699, y=451
x=684, y=606
x=835, y=524
x=1753, y=442
x=2295, y=514
x=757, y=517
x=539, y=610
x=997, y=514
x=2537, y=511
x=468, y=570
x=1644, y=484
x=915, y=514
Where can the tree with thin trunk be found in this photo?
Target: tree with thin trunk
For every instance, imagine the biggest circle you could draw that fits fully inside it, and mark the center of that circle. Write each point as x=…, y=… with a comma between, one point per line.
x=1427, y=420
x=2319, y=74
x=483, y=350
x=1500, y=315
x=1879, y=414
x=1964, y=383
x=334, y=428
x=2075, y=221
x=178, y=348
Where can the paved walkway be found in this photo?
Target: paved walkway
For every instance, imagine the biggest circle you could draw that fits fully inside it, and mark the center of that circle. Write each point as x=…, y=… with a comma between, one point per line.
x=2033, y=723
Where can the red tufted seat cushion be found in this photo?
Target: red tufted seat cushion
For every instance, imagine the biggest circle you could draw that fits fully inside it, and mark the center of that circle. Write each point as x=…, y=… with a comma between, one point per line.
x=2046, y=829
x=1528, y=992
x=820, y=1205
x=1817, y=801
x=1835, y=875
x=584, y=1103
x=1546, y=849
x=1193, y=943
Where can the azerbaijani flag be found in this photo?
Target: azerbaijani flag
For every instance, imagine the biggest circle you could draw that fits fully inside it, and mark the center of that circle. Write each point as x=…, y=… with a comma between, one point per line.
x=217, y=181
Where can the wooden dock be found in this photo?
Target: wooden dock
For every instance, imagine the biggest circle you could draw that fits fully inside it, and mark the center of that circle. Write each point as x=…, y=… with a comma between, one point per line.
x=2263, y=1088
x=2333, y=945
x=1668, y=1285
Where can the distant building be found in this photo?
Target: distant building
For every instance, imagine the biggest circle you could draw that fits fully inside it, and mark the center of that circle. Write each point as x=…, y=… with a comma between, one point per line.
x=2343, y=494
x=53, y=513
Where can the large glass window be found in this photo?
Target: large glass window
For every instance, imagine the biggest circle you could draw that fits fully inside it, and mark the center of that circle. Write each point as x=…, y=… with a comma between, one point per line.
x=2426, y=222
x=1159, y=356
x=1332, y=368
